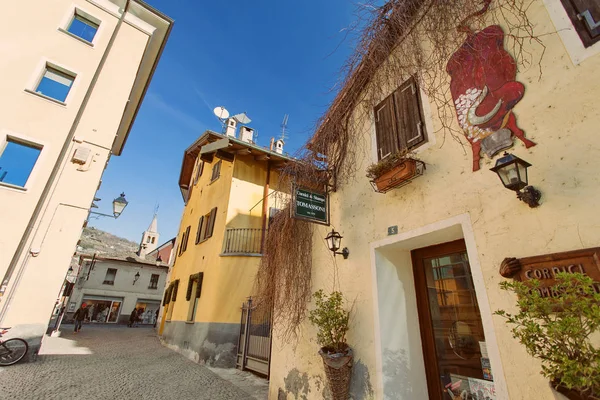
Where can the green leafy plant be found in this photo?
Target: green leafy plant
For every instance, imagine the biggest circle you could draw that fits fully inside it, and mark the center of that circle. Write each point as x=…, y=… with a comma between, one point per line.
x=379, y=168
x=557, y=329
x=331, y=319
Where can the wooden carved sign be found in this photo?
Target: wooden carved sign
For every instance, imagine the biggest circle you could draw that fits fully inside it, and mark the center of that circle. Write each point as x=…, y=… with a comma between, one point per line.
x=544, y=268
x=484, y=89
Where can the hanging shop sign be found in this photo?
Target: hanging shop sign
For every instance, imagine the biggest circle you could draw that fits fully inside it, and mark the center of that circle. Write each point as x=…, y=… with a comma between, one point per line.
x=484, y=89
x=544, y=268
x=310, y=205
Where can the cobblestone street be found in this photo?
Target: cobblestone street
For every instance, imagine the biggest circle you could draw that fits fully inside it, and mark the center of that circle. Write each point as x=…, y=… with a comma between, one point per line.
x=113, y=362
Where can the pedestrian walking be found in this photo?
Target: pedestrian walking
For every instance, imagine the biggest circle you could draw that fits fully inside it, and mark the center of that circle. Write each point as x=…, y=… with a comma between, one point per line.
x=79, y=316
x=132, y=318
x=156, y=318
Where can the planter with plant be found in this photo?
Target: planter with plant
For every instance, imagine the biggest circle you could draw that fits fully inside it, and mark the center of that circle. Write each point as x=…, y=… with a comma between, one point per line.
x=395, y=170
x=558, y=331
x=331, y=319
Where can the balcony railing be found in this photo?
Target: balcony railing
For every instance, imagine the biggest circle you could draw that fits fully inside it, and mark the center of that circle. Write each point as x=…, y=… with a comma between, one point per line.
x=242, y=241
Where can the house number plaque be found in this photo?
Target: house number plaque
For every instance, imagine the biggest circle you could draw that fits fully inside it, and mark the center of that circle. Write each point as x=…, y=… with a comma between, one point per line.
x=545, y=267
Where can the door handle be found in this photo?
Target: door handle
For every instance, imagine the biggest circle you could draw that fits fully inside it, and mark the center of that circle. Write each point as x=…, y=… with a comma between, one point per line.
x=589, y=20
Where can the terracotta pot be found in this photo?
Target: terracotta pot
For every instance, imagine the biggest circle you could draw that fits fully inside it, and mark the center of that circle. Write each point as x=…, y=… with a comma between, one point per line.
x=338, y=369
x=399, y=173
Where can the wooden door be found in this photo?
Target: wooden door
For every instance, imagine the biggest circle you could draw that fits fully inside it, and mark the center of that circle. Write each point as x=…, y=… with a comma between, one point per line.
x=450, y=321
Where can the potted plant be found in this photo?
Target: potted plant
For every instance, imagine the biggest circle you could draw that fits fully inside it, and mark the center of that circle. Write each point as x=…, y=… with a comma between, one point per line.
x=557, y=329
x=394, y=170
x=331, y=319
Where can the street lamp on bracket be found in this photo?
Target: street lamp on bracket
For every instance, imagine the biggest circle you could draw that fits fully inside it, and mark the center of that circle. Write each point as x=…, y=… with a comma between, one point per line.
x=119, y=205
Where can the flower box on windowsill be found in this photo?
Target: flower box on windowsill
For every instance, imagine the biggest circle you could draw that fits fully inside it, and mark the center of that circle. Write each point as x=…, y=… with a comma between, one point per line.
x=402, y=173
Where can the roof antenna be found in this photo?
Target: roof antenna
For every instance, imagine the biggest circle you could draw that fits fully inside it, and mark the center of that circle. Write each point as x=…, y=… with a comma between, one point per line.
x=284, y=127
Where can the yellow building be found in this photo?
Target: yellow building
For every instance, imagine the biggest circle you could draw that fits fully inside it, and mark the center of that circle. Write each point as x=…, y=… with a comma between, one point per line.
x=424, y=258
x=230, y=187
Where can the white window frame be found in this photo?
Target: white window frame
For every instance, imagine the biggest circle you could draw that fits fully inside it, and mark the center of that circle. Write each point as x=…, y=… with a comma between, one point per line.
x=37, y=76
x=569, y=36
x=68, y=18
x=5, y=135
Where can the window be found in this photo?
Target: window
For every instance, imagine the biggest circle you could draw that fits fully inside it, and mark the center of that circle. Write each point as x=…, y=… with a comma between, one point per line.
x=199, y=231
x=17, y=160
x=55, y=84
x=153, y=239
x=585, y=17
x=206, y=226
x=111, y=274
x=148, y=239
x=194, y=290
x=170, y=297
x=84, y=26
x=153, y=282
x=216, y=171
x=199, y=170
x=398, y=121
x=184, y=240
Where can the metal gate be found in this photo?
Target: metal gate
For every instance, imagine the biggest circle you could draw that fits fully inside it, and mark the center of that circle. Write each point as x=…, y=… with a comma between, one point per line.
x=254, y=343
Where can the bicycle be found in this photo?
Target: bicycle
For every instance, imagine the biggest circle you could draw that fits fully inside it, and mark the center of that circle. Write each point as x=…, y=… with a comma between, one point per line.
x=11, y=350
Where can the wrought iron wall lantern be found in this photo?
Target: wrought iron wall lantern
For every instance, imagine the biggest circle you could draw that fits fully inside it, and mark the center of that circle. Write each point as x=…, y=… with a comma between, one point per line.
x=136, y=277
x=334, y=241
x=119, y=205
x=512, y=171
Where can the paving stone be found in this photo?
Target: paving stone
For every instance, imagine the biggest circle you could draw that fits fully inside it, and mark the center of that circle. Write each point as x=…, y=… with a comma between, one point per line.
x=112, y=362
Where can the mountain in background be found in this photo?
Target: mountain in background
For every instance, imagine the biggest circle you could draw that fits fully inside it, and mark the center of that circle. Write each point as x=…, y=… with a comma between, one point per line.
x=104, y=244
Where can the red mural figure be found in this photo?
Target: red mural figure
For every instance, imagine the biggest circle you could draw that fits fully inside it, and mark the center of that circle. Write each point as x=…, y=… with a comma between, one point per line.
x=484, y=91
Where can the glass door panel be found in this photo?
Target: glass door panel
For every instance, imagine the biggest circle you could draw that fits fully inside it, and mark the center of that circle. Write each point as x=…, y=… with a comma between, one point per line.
x=114, y=311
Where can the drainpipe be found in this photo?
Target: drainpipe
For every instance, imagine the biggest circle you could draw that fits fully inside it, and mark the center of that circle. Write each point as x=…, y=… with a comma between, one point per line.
x=51, y=180
x=265, y=208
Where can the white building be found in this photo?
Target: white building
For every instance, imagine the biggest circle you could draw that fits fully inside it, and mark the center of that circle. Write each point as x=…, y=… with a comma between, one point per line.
x=73, y=77
x=112, y=287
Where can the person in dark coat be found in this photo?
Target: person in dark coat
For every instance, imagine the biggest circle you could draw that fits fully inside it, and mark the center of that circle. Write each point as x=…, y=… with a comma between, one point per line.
x=79, y=316
x=132, y=318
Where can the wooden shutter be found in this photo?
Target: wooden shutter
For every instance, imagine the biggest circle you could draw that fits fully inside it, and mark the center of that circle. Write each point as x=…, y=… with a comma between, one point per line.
x=175, y=288
x=188, y=294
x=216, y=171
x=211, y=223
x=409, y=122
x=385, y=128
x=185, y=238
x=199, y=284
x=585, y=17
x=199, y=232
x=167, y=298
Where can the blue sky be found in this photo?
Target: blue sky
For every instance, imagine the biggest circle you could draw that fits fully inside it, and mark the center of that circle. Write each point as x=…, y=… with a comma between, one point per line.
x=268, y=58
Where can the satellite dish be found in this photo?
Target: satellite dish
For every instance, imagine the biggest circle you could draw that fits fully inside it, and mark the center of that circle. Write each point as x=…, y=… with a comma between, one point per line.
x=242, y=118
x=221, y=112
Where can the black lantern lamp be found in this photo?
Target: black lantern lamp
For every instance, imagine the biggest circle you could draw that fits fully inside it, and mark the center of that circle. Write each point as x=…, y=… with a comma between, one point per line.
x=136, y=277
x=334, y=240
x=119, y=205
x=512, y=171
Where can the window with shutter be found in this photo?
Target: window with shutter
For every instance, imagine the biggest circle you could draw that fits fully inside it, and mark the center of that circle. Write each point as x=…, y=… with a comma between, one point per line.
x=199, y=170
x=398, y=121
x=216, y=171
x=199, y=232
x=175, y=288
x=186, y=236
x=211, y=223
x=585, y=17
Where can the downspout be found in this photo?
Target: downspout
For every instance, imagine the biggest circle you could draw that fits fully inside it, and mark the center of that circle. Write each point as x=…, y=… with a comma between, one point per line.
x=61, y=158
x=265, y=208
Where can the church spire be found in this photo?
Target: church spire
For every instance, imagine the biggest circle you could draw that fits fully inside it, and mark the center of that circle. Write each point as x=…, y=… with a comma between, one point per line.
x=150, y=237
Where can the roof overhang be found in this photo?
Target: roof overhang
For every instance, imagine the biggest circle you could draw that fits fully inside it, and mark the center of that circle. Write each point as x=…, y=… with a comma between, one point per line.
x=211, y=144
x=162, y=26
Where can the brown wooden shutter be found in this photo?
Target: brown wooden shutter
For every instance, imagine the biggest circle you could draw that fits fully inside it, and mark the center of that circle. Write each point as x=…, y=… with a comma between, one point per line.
x=188, y=294
x=211, y=223
x=185, y=238
x=385, y=128
x=584, y=15
x=175, y=288
x=199, y=232
x=199, y=284
x=167, y=297
x=411, y=132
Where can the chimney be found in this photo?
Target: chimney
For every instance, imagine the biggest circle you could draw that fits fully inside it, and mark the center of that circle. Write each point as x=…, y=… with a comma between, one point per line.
x=246, y=134
x=230, y=127
x=272, y=144
x=279, y=146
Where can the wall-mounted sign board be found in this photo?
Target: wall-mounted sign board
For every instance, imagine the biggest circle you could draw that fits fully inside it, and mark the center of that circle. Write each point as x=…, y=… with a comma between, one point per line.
x=545, y=267
x=310, y=205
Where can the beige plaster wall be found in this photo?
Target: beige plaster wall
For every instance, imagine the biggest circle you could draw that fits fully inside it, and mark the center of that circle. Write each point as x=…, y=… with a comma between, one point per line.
x=27, y=46
x=559, y=111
